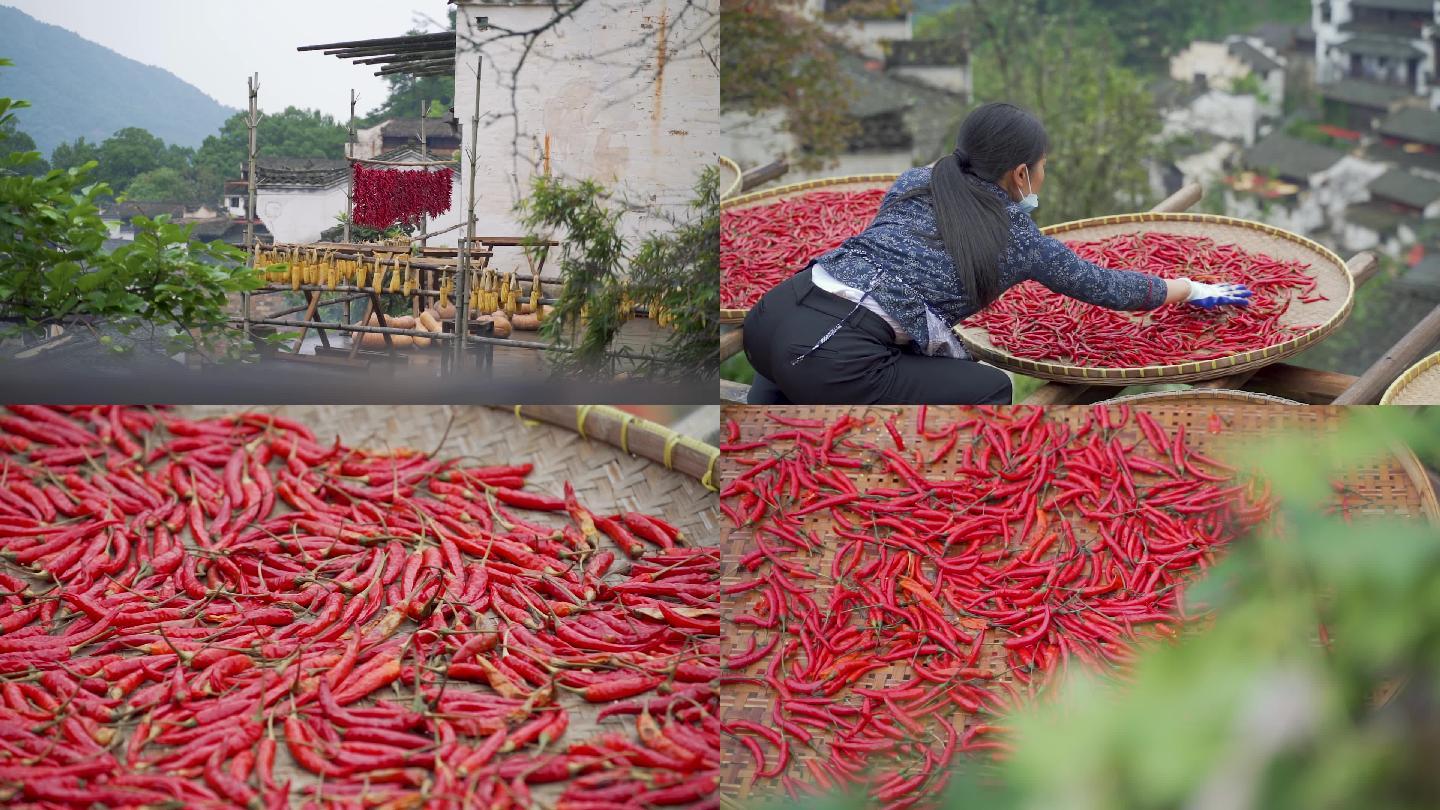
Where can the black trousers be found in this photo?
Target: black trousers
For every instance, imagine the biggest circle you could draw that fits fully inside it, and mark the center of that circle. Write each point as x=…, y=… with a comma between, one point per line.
x=860, y=365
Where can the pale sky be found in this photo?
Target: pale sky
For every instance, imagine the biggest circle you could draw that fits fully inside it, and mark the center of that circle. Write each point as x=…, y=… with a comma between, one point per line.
x=210, y=44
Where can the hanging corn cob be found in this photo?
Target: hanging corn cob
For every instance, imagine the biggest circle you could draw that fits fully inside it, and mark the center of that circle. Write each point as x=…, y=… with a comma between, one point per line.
x=379, y=274
x=395, y=274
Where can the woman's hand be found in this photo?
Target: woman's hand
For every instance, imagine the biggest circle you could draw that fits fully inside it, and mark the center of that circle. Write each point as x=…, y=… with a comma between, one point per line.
x=1206, y=296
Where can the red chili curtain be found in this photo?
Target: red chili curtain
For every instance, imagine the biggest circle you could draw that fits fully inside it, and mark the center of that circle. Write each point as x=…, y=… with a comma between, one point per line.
x=385, y=197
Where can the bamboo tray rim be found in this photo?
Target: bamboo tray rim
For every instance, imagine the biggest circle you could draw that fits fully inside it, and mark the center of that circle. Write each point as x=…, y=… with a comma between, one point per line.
x=731, y=165
x=1177, y=372
x=1425, y=364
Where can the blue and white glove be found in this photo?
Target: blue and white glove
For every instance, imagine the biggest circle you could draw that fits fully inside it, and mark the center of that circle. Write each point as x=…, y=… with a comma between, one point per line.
x=1209, y=296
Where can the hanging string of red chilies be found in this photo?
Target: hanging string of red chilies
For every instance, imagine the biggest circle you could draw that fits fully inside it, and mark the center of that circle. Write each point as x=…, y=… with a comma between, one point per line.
x=385, y=197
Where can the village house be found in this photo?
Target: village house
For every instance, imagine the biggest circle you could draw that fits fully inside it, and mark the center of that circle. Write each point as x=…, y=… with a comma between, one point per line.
x=1384, y=49
x=1282, y=180
x=442, y=137
x=1389, y=220
x=908, y=98
x=1410, y=138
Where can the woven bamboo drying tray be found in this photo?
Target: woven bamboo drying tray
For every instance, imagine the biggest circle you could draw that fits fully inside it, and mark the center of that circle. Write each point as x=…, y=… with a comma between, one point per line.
x=1203, y=395
x=1419, y=385
x=1397, y=487
x=731, y=178
x=853, y=182
x=605, y=478
x=1334, y=279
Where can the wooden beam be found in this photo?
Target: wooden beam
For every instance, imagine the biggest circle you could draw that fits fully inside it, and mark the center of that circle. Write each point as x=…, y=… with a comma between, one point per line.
x=360, y=43
x=763, y=174
x=1415, y=344
x=1285, y=379
x=732, y=342
x=1181, y=200
x=734, y=392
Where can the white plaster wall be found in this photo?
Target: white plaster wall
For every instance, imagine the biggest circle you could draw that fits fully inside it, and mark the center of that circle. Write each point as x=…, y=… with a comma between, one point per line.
x=755, y=139
x=1206, y=167
x=1357, y=237
x=950, y=78
x=299, y=214
x=1345, y=183
x=1219, y=113
x=1211, y=59
x=866, y=36
x=621, y=104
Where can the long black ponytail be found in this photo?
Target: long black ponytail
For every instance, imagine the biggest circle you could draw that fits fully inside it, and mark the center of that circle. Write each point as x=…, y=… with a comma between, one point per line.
x=994, y=138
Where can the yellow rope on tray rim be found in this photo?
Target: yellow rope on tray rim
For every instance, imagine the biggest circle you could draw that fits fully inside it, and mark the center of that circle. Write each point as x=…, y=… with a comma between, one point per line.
x=581, y=411
x=625, y=421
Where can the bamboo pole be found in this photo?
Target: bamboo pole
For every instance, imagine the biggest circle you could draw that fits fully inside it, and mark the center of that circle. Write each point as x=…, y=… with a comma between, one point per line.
x=462, y=282
x=252, y=123
x=350, y=154
x=424, y=155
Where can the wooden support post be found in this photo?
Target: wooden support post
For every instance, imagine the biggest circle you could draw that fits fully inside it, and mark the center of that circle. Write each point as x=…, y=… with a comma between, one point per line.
x=462, y=277
x=763, y=174
x=312, y=303
x=350, y=181
x=731, y=344
x=1410, y=348
x=252, y=123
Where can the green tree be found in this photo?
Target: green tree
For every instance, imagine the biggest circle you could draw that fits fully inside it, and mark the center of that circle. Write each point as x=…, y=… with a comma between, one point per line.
x=130, y=153
x=72, y=155
x=777, y=58
x=12, y=140
x=162, y=185
x=54, y=268
x=407, y=92
x=293, y=133
x=1055, y=59
x=676, y=272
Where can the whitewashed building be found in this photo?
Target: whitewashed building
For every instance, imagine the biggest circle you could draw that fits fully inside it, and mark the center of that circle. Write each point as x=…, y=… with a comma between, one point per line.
x=622, y=92
x=1285, y=181
x=300, y=198
x=908, y=98
x=1386, y=43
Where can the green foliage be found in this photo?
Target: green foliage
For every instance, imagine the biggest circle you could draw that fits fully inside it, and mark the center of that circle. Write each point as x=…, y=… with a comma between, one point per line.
x=294, y=133
x=162, y=185
x=54, y=268
x=1063, y=65
x=406, y=94
x=76, y=154
x=1310, y=131
x=678, y=270
x=360, y=233
x=776, y=58
x=13, y=140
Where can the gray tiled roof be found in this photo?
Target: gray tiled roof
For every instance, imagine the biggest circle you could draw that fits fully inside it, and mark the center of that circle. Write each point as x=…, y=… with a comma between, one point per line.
x=1375, y=45
x=1396, y=5
x=1364, y=94
x=1413, y=124
x=1290, y=158
x=1253, y=57
x=1403, y=187
x=1377, y=217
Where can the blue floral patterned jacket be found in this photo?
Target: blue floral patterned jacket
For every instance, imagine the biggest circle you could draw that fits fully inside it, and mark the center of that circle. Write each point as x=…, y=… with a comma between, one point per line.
x=901, y=260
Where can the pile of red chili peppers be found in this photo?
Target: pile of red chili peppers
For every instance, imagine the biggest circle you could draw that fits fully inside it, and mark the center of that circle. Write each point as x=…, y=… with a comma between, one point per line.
x=964, y=560
x=385, y=197
x=190, y=610
x=1031, y=321
x=763, y=245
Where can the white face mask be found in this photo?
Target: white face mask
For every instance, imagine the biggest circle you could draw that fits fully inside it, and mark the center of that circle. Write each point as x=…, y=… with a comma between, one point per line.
x=1031, y=200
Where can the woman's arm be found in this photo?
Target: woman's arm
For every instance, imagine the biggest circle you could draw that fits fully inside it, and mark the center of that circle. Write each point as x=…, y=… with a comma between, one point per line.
x=1048, y=261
